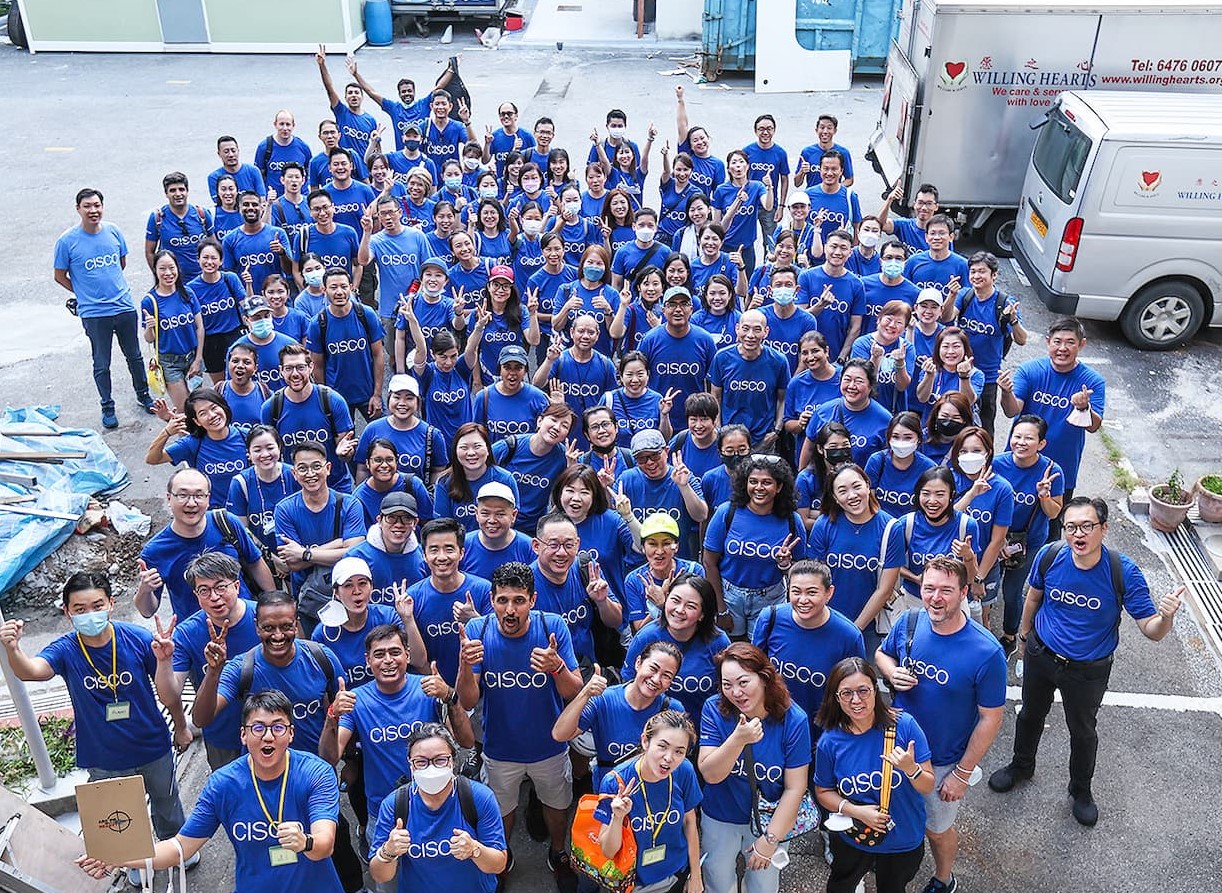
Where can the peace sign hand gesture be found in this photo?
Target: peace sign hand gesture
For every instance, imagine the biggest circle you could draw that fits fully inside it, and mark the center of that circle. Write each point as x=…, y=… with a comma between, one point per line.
x=668, y=400
x=572, y=452
x=215, y=652
x=783, y=554
x=679, y=472
x=163, y=644
x=1043, y=487
x=597, y=588
x=621, y=803
x=623, y=502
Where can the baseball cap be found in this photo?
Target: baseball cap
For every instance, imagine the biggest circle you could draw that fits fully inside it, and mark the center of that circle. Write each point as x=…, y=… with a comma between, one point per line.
x=676, y=293
x=659, y=522
x=496, y=490
x=929, y=294
x=347, y=568
x=404, y=383
x=511, y=354
x=435, y=262
x=648, y=441
x=396, y=503
x=798, y=198
x=501, y=271
x=411, y=128
x=254, y=304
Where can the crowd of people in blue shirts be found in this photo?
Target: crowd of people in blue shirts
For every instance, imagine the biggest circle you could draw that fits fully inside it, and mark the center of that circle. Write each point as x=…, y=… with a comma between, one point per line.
x=492, y=465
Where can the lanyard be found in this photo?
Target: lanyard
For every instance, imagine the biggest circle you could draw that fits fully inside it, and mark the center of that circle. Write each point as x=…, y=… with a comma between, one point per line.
x=111, y=681
x=670, y=799
x=284, y=783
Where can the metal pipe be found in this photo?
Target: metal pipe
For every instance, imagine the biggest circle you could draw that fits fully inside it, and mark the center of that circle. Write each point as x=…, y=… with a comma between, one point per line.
x=29, y=723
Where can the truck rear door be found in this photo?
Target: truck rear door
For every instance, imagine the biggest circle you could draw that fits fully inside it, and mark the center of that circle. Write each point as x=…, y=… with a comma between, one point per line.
x=893, y=135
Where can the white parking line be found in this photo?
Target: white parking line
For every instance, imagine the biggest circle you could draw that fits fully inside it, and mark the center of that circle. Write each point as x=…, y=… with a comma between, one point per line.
x=1176, y=703
x=1018, y=271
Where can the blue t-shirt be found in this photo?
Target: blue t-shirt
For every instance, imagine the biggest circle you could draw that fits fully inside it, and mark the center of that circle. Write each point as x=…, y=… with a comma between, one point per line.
x=863, y=266
x=662, y=495
x=419, y=446
x=744, y=226
x=895, y=487
x=478, y=559
x=805, y=393
x=320, y=169
x=708, y=173
x=813, y=154
x=337, y=248
x=851, y=765
x=390, y=569
x=656, y=816
x=254, y=501
x=679, y=363
x=724, y=328
x=296, y=521
x=584, y=384
x=349, y=645
x=351, y=202
x=606, y=539
x=534, y=474
x=292, y=325
x=497, y=335
x=979, y=319
x=383, y=722
x=271, y=157
x=291, y=217
x=348, y=352
x=434, y=613
x=398, y=258
x=992, y=508
x=673, y=208
x=616, y=725
x=785, y=745
x=785, y=334
x=1079, y=617
x=403, y=116
x=956, y=676
x=225, y=222
x=520, y=704
x=716, y=486
x=699, y=459
x=944, y=382
x=371, y=498
x=170, y=553
x=267, y=359
x=247, y=177
x=228, y=801
x=854, y=556
x=923, y=271
x=928, y=541
x=867, y=427
x=142, y=736
x=464, y=512
x=176, y=314
x=885, y=390
x=749, y=388
x=253, y=251
x=548, y=285
x=443, y=144
x=878, y=293
x=428, y=863
x=1028, y=515
x=306, y=422
x=804, y=657
x=702, y=272
x=748, y=545
x=848, y=300
x=446, y=397
x=302, y=681
x=808, y=490
x=180, y=235
x=637, y=605
x=1046, y=392
x=569, y=601
x=843, y=210
x=910, y=233
x=190, y=638
x=633, y=414
x=697, y=676
x=218, y=301
x=219, y=460
x=772, y=162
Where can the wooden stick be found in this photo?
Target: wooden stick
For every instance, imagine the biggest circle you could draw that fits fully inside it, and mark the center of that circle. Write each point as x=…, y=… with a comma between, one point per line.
x=38, y=513
x=40, y=455
x=22, y=480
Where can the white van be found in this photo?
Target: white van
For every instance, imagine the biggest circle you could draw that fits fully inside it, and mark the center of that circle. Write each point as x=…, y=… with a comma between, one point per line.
x=1121, y=212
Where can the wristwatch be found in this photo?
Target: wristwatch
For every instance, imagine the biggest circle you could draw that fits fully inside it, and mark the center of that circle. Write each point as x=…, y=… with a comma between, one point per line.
x=308, y=554
x=452, y=698
x=309, y=844
x=771, y=838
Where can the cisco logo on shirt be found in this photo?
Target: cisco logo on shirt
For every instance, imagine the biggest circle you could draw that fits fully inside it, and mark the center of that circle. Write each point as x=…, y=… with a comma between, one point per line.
x=926, y=670
x=942, y=287
x=678, y=369
x=1074, y=599
x=865, y=782
x=252, y=832
x=355, y=133
x=174, y=322
x=356, y=675
x=214, y=468
x=894, y=497
x=575, y=389
x=390, y=734
x=212, y=308
x=774, y=774
x=577, y=615
x=349, y=345
x=750, y=386
x=857, y=441
x=257, y=258
x=308, y=709
x=980, y=328
x=1054, y=401
x=692, y=684
x=335, y=260
x=102, y=260
x=445, y=628
x=112, y=681
x=310, y=435
x=398, y=260
x=515, y=679
x=507, y=428
x=448, y=397
x=836, y=306
x=640, y=513
x=618, y=749
x=853, y=562
x=185, y=241
x=382, y=596
x=498, y=337
x=656, y=820
x=748, y=549
x=784, y=348
x=532, y=480
x=983, y=516
x=920, y=559
x=428, y=849
x=799, y=673
x=1025, y=498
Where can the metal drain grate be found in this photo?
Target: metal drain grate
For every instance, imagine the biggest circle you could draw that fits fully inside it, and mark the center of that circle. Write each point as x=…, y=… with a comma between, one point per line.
x=1194, y=568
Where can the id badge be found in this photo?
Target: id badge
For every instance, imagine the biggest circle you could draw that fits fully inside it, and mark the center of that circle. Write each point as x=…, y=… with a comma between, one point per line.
x=117, y=710
x=281, y=856
x=653, y=855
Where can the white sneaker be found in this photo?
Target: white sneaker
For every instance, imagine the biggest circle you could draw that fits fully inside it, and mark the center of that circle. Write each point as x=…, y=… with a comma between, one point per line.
x=192, y=862
x=861, y=886
x=135, y=877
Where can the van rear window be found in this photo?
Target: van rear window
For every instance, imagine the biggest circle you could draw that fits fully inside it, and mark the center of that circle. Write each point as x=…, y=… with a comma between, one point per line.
x=1060, y=155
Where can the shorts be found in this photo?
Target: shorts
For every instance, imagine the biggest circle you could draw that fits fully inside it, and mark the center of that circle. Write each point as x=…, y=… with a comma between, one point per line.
x=216, y=349
x=174, y=366
x=940, y=815
x=746, y=605
x=553, y=779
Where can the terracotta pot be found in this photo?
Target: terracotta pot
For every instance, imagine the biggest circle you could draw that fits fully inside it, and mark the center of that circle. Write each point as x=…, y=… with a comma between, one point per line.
x=1209, y=504
x=1167, y=516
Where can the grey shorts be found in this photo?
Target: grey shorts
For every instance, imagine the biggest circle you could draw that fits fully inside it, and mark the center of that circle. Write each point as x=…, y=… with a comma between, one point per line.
x=553, y=779
x=940, y=815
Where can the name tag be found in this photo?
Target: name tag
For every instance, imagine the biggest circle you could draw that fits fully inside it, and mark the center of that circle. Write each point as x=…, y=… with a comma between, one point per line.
x=281, y=856
x=117, y=710
x=653, y=855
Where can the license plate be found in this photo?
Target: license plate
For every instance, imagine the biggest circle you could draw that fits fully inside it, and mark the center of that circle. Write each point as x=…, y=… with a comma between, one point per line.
x=1038, y=222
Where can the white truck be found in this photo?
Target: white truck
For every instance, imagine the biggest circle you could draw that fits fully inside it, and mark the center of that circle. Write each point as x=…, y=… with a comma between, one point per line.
x=967, y=80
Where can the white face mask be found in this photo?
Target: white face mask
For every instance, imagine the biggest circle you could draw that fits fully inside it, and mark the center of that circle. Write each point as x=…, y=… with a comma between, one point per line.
x=902, y=449
x=333, y=614
x=971, y=463
x=532, y=227
x=572, y=208
x=645, y=234
x=868, y=239
x=470, y=164
x=616, y=131
x=433, y=779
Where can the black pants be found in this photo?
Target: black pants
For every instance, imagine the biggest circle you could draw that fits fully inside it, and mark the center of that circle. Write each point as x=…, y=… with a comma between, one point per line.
x=1054, y=525
x=347, y=863
x=988, y=408
x=1082, y=685
x=892, y=871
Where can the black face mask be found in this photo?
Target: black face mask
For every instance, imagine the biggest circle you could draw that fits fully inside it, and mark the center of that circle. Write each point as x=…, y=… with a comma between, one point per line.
x=948, y=427
x=732, y=463
x=838, y=456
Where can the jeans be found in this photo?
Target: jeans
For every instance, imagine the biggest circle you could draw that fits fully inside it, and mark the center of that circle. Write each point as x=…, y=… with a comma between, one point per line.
x=745, y=605
x=892, y=871
x=1082, y=685
x=1013, y=589
x=161, y=785
x=101, y=330
x=721, y=843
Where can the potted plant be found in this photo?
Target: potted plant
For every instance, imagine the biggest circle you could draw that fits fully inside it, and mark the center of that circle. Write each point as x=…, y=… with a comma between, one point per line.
x=1209, y=498
x=1169, y=503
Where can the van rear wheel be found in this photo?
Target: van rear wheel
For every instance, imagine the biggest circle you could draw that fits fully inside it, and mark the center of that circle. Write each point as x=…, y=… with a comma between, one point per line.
x=1163, y=316
x=998, y=234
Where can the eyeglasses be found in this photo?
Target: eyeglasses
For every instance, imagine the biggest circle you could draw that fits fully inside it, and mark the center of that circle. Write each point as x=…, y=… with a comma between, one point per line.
x=847, y=695
x=316, y=468
x=302, y=367
x=441, y=762
x=1083, y=527
x=647, y=457
x=561, y=546
x=398, y=520
x=181, y=496
x=259, y=729
x=382, y=460
x=218, y=588
x=599, y=426
x=921, y=203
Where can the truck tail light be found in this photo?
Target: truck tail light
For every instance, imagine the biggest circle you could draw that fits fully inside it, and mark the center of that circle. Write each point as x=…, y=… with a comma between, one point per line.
x=1068, y=252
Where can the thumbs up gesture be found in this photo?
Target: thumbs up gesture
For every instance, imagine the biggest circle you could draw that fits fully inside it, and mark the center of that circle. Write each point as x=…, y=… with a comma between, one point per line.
x=433, y=685
x=748, y=731
x=470, y=651
x=963, y=548
x=465, y=610
x=597, y=684
x=547, y=660
x=149, y=578
x=398, y=841
x=344, y=700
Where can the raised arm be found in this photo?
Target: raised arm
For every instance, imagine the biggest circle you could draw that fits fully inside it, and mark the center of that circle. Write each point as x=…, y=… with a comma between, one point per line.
x=321, y=58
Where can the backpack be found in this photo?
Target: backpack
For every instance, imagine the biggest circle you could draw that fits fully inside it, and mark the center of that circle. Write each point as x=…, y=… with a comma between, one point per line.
x=312, y=648
x=159, y=215
x=324, y=400
x=315, y=591
x=361, y=314
x=1116, y=568
x=466, y=801
x=265, y=161
x=229, y=533
x=999, y=313
x=900, y=601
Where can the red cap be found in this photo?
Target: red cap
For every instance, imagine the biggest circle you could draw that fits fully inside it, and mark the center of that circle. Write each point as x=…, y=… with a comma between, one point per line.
x=501, y=271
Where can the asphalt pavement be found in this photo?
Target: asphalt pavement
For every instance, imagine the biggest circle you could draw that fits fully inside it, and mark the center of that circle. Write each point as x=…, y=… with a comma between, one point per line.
x=119, y=123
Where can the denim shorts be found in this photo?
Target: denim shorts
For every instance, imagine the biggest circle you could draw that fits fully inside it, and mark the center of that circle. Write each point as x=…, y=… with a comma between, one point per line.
x=174, y=366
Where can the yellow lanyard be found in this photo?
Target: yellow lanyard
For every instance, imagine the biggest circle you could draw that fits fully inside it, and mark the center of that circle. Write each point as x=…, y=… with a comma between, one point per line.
x=670, y=799
x=284, y=783
x=112, y=681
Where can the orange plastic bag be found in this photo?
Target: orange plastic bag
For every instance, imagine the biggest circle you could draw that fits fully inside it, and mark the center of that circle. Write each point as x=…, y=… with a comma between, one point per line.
x=617, y=874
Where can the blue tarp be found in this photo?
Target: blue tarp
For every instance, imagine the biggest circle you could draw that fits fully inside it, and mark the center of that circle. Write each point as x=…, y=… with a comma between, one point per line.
x=25, y=540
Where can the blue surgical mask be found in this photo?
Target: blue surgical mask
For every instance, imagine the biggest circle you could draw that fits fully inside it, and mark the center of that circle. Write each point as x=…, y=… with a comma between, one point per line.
x=313, y=278
x=572, y=208
x=262, y=328
x=91, y=623
x=593, y=274
x=487, y=192
x=783, y=295
x=893, y=269
x=411, y=145
x=453, y=182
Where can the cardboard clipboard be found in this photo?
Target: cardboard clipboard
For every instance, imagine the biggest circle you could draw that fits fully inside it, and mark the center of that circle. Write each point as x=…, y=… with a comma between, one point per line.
x=115, y=820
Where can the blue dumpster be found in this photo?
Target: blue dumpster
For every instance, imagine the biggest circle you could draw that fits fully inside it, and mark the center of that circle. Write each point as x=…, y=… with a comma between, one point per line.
x=864, y=27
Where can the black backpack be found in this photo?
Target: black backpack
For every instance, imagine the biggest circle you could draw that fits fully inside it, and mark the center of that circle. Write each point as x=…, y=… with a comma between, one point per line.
x=312, y=648
x=466, y=802
x=324, y=400
x=361, y=314
x=999, y=314
x=1115, y=567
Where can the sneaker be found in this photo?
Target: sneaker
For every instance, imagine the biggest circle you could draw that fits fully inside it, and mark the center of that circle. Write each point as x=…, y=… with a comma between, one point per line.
x=110, y=421
x=1005, y=778
x=562, y=871
x=536, y=826
x=135, y=877
x=146, y=403
x=1009, y=644
x=192, y=862
x=937, y=886
x=1084, y=809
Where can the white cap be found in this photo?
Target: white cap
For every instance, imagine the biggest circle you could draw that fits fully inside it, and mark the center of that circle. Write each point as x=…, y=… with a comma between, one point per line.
x=347, y=568
x=404, y=383
x=497, y=490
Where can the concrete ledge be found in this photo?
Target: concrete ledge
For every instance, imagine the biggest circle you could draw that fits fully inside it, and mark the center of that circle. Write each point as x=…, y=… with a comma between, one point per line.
x=61, y=798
